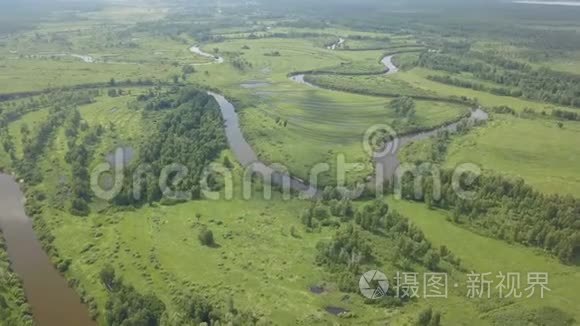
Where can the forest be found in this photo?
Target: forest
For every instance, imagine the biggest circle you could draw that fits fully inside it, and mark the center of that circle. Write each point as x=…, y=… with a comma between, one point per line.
x=190, y=133
x=519, y=80
x=509, y=210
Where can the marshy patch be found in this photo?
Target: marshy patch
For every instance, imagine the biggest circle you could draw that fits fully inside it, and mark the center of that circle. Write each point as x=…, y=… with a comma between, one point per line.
x=337, y=311
x=317, y=289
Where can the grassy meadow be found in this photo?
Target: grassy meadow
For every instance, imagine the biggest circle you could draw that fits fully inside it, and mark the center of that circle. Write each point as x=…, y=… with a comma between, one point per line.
x=268, y=99
x=548, y=162
x=264, y=259
x=485, y=255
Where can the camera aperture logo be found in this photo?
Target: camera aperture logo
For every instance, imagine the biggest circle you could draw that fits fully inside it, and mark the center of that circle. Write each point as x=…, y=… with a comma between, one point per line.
x=373, y=285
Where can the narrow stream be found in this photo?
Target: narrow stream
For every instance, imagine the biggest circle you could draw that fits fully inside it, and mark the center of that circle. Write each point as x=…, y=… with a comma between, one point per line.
x=52, y=301
x=246, y=155
x=197, y=50
x=390, y=161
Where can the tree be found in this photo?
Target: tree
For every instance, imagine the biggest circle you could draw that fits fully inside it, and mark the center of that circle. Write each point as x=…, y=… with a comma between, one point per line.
x=404, y=107
x=79, y=207
x=108, y=278
x=425, y=317
x=127, y=307
x=206, y=237
x=227, y=163
x=187, y=70
x=432, y=260
x=293, y=232
x=429, y=318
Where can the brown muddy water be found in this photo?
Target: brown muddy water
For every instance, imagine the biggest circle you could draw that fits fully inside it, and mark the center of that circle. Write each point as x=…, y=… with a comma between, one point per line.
x=53, y=302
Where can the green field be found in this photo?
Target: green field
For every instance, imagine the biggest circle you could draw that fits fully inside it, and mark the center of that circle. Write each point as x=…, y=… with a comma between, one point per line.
x=311, y=112
x=417, y=78
x=380, y=85
x=30, y=75
x=498, y=257
x=548, y=163
x=261, y=261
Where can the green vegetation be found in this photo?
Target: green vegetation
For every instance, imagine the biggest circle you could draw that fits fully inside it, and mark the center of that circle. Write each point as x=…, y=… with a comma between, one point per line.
x=371, y=85
x=550, y=160
x=498, y=257
x=515, y=78
x=81, y=83
x=189, y=135
x=534, y=219
x=13, y=307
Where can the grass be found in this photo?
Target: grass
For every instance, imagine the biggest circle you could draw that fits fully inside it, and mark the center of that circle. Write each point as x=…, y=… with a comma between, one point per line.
x=380, y=85
x=417, y=78
x=569, y=63
x=376, y=44
x=41, y=58
x=484, y=255
x=358, y=67
x=24, y=75
x=536, y=150
x=123, y=125
x=323, y=124
x=258, y=262
x=311, y=135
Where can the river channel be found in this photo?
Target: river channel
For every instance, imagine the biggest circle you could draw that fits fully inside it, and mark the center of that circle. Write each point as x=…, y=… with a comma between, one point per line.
x=52, y=301
x=388, y=163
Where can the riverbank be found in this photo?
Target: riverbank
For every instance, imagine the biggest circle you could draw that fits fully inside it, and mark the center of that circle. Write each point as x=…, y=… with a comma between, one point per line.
x=388, y=163
x=52, y=302
x=14, y=308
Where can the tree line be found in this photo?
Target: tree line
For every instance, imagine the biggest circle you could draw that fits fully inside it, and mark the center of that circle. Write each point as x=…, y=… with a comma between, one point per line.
x=518, y=80
x=126, y=307
x=349, y=250
x=79, y=155
x=509, y=210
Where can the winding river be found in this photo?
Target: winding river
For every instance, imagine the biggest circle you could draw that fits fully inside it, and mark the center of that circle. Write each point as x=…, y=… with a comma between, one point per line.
x=387, y=163
x=386, y=61
x=247, y=156
x=197, y=50
x=52, y=301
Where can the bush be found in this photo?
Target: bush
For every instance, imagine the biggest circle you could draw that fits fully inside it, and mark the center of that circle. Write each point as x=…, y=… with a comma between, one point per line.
x=206, y=238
